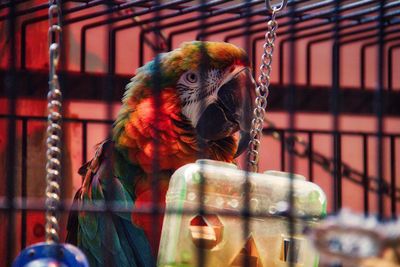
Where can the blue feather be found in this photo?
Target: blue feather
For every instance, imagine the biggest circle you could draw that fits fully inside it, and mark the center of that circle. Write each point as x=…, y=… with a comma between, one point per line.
x=110, y=233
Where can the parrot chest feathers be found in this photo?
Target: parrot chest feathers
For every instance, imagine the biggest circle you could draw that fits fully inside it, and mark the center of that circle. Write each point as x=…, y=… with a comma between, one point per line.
x=176, y=140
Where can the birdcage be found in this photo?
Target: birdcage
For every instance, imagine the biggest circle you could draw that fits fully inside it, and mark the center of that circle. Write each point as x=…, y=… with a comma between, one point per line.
x=332, y=114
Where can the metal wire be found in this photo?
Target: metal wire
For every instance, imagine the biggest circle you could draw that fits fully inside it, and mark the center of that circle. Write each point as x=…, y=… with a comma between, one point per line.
x=299, y=147
x=353, y=23
x=11, y=159
x=54, y=97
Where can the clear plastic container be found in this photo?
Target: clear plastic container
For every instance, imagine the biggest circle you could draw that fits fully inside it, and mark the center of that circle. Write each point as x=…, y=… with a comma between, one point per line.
x=206, y=219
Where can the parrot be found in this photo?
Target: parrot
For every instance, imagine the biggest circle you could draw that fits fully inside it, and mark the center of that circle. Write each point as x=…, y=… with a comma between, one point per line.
x=190, y=103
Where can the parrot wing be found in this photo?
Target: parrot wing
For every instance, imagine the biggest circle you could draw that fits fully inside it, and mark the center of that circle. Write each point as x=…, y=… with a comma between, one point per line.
x=106, y=236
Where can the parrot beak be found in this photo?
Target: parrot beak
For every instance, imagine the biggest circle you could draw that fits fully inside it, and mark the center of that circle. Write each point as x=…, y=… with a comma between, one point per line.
x=233, y=109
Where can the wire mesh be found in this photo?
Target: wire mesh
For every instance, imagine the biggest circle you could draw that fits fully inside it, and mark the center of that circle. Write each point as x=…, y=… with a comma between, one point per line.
x=333, y=112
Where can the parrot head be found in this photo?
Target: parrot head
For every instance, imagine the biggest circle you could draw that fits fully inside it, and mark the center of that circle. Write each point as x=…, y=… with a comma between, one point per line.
x=213, y=101
x=205, y=95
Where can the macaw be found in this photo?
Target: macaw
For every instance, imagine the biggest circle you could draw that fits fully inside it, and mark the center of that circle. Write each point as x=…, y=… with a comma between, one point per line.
x=193, y=102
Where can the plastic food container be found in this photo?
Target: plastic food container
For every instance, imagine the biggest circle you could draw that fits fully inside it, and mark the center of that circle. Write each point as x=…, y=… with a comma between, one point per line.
x=205, y=218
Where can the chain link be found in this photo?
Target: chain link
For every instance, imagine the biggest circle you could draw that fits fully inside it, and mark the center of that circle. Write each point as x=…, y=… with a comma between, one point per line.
x=54, y=131
x=276, y=8
x=262, y=92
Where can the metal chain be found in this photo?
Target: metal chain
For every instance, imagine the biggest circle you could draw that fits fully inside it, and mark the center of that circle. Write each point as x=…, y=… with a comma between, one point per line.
x=54, y=97
x=262, y=92
x=299, y=147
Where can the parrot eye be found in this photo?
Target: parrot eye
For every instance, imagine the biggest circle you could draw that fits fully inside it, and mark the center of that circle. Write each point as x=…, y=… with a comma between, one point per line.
x=191, y=77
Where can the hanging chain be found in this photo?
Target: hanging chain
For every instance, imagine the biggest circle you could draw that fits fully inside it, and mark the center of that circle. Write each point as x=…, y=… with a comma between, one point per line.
x=262, y=92
x=54, y=98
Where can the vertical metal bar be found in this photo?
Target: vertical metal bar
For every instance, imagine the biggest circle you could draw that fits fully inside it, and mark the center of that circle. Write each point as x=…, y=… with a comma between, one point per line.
x=337, y=167
x=393, y=176
x=84, y=142
x=308, y=64
x=202, y=70
x=12, y=94
x=281, y=62
x=310, y=157
x=283, y=149
x=378, y=106
x=140, y=55
x=390, y=68
x=254, y=58
x=169, y=43
x=112, y=47
x=291, y=100
x=82, y=58
x=362, y=67
x=246, y=186
x=24, y=184
x=23, y=46
x=365, y=175
x=156, y=90
x=337, y=181
x=84, y=145
x=107, y=95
